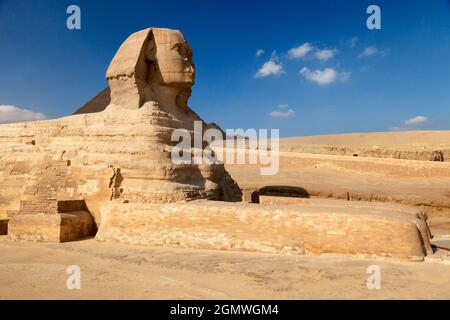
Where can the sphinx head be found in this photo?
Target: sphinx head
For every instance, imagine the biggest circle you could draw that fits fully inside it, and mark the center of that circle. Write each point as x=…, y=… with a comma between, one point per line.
x=173, y=56
x=152, y=65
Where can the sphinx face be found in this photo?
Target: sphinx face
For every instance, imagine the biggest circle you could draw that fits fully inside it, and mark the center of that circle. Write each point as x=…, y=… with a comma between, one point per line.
x=174, y=57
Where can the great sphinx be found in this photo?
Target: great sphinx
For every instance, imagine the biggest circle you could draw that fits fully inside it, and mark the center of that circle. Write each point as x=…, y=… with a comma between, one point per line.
x=112, y=170
x=121, y=154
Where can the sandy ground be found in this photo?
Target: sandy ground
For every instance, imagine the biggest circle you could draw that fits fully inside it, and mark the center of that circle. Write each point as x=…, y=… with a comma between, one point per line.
x=113, y=271
x=401, y=140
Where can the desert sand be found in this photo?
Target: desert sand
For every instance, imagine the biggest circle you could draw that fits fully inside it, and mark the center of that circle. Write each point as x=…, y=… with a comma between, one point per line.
x=413, y=145
x=115, y=271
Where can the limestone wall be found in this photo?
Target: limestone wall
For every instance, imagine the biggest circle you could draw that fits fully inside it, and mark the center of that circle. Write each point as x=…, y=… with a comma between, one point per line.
x=275, y=229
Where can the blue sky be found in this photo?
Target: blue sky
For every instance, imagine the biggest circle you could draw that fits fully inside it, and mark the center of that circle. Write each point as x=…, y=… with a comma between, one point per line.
x=329, y=84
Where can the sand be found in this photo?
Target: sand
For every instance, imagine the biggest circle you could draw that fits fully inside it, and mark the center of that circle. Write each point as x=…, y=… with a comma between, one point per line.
x=415, y=145
x=113, y=271
x=402, y=140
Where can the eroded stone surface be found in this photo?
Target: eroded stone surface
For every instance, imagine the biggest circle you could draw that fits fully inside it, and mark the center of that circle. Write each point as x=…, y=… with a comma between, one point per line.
x=274, y=229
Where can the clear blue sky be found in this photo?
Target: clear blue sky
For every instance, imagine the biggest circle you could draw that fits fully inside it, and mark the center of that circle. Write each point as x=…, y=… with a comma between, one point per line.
x=375, y=83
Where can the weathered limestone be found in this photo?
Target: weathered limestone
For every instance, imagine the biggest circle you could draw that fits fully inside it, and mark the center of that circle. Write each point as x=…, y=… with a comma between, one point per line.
x=152, y=65
x=275, y=229
x=61, y=227
x=390, y=209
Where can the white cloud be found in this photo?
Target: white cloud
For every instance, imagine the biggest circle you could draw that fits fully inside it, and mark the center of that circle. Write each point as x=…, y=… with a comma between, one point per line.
x=300, y=51
x=353, y=42
x=416, y=120
x=283, y=111
x=321, y=77
x=325, y=76
x=307, y=48
x=368, y=52
x=259, y=52
x=10, y=114
x=271, y=67
x=325, y=54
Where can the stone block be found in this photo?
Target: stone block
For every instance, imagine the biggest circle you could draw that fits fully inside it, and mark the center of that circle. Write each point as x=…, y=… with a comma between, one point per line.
x=273, y=229
x=61, y=227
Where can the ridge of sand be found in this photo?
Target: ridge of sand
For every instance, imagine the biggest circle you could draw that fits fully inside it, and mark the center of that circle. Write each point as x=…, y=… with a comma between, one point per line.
x=414, y=145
